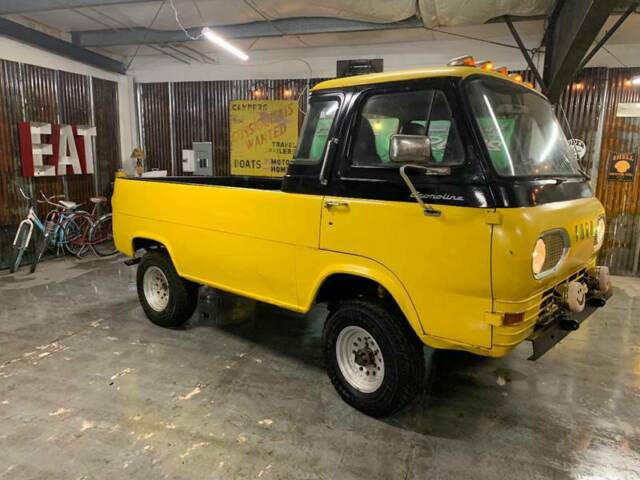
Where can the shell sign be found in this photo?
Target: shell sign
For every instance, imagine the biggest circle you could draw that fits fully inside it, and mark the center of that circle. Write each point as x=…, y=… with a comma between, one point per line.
x=69, y=149
x=622, y=167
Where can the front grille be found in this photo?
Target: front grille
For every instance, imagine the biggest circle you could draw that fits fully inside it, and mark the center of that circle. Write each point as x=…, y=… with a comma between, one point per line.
x=555, y=243
x=548, y=305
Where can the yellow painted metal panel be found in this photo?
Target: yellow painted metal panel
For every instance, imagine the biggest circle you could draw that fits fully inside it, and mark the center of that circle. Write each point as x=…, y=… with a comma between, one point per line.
x=279, y=247
x=515, y=237
x=404, y=75
x=237, y=239
x=443, y=262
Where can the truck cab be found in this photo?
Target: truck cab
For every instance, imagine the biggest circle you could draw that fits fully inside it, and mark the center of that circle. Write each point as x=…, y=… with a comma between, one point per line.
x=440, y=207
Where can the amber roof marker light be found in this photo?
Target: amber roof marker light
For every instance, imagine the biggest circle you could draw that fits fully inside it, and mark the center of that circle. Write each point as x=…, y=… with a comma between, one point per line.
x=462, y=61
x=486, y=65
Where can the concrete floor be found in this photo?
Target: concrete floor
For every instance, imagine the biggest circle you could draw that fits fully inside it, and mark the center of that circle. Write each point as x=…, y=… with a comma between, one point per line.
x=90, y=389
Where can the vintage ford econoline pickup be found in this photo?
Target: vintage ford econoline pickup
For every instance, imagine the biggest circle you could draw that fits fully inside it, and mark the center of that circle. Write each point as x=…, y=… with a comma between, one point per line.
x=441, y=206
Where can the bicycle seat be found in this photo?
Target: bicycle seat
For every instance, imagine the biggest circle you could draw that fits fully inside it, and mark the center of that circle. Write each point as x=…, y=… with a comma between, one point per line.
x=98, y=200
x=68, y=204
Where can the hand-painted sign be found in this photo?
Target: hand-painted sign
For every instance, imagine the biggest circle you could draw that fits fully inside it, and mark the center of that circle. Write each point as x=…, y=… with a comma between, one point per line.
x=622, y=167
x=68, y=150
x=264, y=136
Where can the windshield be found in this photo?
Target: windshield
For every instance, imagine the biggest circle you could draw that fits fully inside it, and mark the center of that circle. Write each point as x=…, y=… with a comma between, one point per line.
x=520, y=130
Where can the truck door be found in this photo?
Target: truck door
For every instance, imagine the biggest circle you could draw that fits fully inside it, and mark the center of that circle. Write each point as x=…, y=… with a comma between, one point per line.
x=442, y=261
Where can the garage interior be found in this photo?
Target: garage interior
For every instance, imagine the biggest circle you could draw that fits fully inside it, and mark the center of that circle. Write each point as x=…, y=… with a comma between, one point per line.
x=90, y=389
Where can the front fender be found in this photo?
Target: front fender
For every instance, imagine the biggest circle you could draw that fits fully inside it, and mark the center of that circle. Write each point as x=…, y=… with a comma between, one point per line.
x=330, y=263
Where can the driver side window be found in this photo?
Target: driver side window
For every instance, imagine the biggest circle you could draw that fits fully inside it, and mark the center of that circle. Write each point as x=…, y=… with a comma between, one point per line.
x=420, y=112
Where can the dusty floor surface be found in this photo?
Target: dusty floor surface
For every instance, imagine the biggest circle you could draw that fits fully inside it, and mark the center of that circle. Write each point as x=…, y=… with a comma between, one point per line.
x=90, y=389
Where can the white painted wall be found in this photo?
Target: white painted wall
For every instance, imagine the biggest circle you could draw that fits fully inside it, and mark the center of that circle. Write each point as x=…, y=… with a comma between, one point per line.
x=19, y=52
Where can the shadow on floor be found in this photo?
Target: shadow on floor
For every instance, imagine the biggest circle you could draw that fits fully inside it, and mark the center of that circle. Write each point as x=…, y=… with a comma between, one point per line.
x=453, y=388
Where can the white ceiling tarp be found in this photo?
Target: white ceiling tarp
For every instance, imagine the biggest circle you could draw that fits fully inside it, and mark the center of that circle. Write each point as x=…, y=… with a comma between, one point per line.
x=433, y=12
x=196, y=13
x=474, y=12
x=384, y=11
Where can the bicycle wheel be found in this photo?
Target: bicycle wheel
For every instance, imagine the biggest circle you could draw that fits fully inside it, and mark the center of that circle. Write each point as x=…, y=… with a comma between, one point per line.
x=76, y=231
x=20, y=244
x=101, y=237
x=40, y=249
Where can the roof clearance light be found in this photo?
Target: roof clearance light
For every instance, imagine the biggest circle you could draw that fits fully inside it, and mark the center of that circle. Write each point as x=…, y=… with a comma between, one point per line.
x=502, y=70
x=463, y=61
x=635, y=81
x=221, y=42
x=529, y=84
x=516, y=76
x=486, y=65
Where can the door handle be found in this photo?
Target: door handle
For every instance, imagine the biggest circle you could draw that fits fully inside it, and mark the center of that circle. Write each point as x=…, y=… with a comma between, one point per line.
x=329, y=204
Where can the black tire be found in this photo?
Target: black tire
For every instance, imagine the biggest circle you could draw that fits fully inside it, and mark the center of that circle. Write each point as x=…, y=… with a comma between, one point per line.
x=102, y=236
x=76, y=230
x=182, y=295
x=40, y=249
x=18, y=249
x=401, y=350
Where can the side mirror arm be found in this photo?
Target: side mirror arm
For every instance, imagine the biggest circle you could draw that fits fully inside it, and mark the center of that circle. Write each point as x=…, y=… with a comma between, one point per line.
x=428, y=209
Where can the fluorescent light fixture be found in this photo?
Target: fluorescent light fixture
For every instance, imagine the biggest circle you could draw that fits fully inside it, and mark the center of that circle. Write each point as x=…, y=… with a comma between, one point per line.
x=221, y=42
x=635, y=80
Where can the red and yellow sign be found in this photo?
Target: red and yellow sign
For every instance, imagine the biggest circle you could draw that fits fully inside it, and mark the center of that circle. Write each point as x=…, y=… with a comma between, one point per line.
x=264, y=136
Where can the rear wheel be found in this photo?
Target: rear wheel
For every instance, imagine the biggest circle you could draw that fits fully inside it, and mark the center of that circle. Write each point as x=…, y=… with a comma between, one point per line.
x=19, y=246
x=373, y=358
x=76, y=232
x=101, y=237
x=167, y=299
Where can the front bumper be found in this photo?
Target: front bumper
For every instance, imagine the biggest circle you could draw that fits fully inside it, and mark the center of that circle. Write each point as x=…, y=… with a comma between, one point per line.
x=546, y=337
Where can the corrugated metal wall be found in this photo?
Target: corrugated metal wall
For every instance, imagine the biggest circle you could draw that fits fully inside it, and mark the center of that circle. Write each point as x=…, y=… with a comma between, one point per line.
x=36, y=94
x=155, y=125
x=174, y=115
x=621, y=199
x=107, y=144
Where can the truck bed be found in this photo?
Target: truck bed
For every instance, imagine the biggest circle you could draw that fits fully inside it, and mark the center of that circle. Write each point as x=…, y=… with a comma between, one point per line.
x=258, y=183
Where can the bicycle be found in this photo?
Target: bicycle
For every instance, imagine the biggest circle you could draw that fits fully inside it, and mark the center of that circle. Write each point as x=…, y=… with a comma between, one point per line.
x=93, y=232
x=52, y=230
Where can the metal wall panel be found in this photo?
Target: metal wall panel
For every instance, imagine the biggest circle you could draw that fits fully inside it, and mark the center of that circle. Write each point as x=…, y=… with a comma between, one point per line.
x=107, y=152
x=36, y=94
x=174, y=115
x=155, y=124
x=75, y=109
x=40, y=90
x=12, y=208
x=621, y=251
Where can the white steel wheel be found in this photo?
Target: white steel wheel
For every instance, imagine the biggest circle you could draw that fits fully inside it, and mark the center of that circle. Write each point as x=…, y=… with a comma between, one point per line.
x=156, y=288
x=360, y=359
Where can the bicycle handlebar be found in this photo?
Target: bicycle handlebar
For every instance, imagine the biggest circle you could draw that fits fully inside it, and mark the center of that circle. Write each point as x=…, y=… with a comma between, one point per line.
x=26, y=197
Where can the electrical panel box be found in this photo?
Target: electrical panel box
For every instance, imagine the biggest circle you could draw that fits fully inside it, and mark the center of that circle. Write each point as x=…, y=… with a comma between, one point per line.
x=203, y=158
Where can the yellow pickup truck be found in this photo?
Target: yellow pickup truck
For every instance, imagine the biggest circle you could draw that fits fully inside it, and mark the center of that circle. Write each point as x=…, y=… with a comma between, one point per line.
x=440, y=207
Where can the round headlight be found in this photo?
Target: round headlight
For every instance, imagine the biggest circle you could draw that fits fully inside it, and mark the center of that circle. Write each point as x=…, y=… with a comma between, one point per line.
x=538, y=256
x=599, y=238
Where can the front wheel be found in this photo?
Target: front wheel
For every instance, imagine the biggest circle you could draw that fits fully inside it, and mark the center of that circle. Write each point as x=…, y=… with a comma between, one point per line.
x=20, y=243
x=167, y=299
x=373, y=358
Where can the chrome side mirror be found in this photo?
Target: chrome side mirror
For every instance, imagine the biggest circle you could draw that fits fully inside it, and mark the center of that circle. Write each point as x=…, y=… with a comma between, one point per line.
x=414, y=149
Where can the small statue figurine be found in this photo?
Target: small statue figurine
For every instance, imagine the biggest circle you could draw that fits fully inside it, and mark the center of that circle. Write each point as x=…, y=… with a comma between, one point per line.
x=138, y=155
